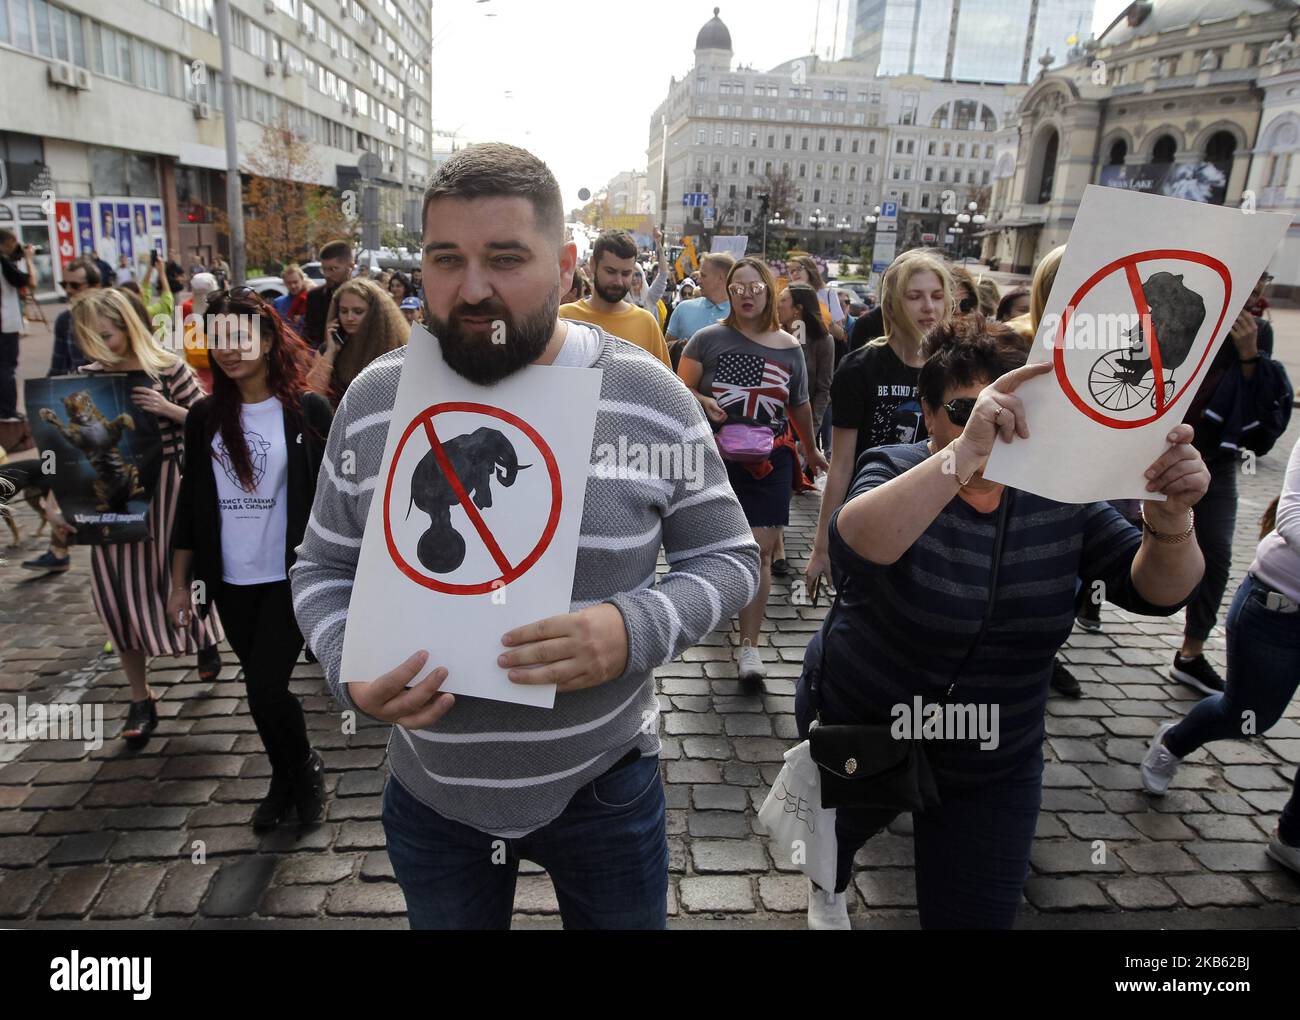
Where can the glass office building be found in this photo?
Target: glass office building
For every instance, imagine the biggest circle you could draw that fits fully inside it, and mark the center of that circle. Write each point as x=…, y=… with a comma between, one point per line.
x=981, y=40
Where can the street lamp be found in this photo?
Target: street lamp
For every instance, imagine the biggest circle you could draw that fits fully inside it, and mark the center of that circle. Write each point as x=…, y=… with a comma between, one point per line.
x=818, y=221
x=776, y=223
x=971, y=216
x=871, y=219
x=842, y=226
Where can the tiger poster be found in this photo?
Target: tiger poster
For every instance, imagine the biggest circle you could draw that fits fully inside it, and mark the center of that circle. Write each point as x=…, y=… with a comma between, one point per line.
x=101, y=452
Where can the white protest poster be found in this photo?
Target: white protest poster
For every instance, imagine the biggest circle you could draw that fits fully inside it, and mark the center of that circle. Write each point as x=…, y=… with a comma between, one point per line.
x=730, y=244
x=473, y=527
x=1145, y=295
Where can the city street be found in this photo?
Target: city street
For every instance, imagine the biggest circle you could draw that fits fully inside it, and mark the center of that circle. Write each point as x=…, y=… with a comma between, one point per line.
x=163, y=837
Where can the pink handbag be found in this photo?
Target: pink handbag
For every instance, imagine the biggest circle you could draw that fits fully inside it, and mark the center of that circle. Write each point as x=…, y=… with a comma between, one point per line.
x=745, y=443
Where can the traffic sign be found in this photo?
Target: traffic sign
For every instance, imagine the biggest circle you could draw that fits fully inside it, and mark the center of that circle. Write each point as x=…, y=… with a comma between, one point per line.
x=695, y=199
x=889, y=210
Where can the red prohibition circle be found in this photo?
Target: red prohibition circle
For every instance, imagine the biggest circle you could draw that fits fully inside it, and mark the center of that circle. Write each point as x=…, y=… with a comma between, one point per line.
x=509, y=573
x=1128, y=265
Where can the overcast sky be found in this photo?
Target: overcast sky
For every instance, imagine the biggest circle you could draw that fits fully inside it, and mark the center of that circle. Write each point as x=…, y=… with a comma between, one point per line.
x=575, y=81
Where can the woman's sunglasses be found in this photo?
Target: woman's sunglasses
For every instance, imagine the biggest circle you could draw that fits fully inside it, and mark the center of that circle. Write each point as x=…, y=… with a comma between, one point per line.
x=741, y=289
x=73, y=288
x=959, y=409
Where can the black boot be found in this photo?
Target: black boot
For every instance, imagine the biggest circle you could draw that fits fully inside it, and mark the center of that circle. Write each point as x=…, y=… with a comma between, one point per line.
x=277, y=805
x=141, y=721
x=309, y=789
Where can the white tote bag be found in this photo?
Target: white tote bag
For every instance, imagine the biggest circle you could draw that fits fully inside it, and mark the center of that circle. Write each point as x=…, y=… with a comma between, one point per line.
x=803, y=830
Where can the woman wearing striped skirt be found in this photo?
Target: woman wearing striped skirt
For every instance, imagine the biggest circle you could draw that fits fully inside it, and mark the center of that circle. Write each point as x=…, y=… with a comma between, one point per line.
x=131, y=579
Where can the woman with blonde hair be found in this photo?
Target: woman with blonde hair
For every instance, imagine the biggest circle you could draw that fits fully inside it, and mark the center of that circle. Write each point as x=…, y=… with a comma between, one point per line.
x=363, y=323
x=131, y=580
x=1044, y=276
x=873, y=393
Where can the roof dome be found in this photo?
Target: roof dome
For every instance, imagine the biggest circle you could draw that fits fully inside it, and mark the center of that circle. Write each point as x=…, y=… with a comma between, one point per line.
x=714, y=35
x=1150, y=17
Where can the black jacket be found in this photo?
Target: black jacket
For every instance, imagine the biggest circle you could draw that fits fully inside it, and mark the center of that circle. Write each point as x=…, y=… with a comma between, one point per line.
x=318, y=310
x=198, y=520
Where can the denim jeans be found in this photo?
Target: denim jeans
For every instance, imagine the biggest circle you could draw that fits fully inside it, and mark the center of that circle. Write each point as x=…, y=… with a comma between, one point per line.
x=1216, y=521
x=1263, y=673
x=606, y=854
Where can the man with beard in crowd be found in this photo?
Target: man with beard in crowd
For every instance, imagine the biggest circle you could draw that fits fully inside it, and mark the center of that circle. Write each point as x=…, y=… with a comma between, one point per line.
x=475, y=784
x=613, y=262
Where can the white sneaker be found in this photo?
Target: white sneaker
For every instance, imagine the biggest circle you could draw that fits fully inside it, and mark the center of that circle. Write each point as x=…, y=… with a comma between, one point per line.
x=1285, y=855
x=1160, y=763
x=751, y=663
x=827, y=911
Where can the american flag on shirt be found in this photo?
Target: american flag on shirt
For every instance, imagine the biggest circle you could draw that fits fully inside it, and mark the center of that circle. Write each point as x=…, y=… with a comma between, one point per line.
x=750, y=385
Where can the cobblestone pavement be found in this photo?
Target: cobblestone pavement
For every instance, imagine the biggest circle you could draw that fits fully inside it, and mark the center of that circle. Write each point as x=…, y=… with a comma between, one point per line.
x=111, y=837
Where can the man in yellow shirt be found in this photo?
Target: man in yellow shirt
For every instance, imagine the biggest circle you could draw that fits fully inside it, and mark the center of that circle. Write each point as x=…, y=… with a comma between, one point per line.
x=613, y=261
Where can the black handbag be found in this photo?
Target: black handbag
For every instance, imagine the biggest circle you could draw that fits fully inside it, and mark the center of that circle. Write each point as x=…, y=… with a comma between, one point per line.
x=862, y=765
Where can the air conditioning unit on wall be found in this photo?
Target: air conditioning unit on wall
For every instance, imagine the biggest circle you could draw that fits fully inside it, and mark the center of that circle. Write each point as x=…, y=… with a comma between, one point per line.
x=62, y=73
x=202, y=111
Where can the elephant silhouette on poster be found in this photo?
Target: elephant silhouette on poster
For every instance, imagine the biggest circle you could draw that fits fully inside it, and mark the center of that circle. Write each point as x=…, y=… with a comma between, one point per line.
x=475, y=458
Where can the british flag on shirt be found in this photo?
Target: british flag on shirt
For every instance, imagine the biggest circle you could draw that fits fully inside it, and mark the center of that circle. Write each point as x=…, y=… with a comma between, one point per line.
x=752, y=386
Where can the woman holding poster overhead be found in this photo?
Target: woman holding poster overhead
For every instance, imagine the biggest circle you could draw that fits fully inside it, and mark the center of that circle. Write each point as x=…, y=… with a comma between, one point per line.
x=253, y=451
x=955, y=594
x=873, y=392
x=749, y=376
x=130, y=579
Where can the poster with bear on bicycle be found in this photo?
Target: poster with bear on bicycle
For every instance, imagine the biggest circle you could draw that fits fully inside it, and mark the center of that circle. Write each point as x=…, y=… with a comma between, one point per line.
x=1144, y=297
x=473, y=526
x=101, y=453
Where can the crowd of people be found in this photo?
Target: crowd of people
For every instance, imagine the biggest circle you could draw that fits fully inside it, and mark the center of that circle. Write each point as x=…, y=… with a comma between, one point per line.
x=943, y=585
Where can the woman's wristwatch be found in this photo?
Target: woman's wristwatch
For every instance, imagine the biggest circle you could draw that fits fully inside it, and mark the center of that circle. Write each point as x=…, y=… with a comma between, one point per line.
x=1166, y=537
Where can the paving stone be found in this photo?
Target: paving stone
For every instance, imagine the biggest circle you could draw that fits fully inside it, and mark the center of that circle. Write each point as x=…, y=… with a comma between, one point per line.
x=534, y=894
x=1072, y=726
x=713, y=856
x=377, y=867
x=371, y=899
x=1114, y=777
x=682, y=723
x=1158, y=826
x=356, y=784
x=717, y=824
x=220, y=814
x=710, y=797
x=1248, y=777
x=677, y=796
x=760, y=749
x=44, y=797
x=1180, y=802
x=1224, y=827
x=1158, y=859
x=199, y=791
x=887, y=887
x=1095, y=825
x=1213, y=891
x=1053, y=894
x=239, y=886
x=148, y=844
x=19, y=890
x=183, y=889
x=74, y=891
x=315, y=869
x=82, y=848
x=784, y=894
x=1231, y=856
x=1071, y=800
x=354, y=807
x=716, y=748
x=1057, y=774
x=24, y=851
x=1073, y=749
x=693, y=772
x=1228, y=803
x=1140, y=893
x=737, y=773
x=361, y=836
x=1072, y=856
x=1280, y=888
x=716, y=894
x=293, y=901
x=885, y=850
x=1268, y=801
x=128, y=891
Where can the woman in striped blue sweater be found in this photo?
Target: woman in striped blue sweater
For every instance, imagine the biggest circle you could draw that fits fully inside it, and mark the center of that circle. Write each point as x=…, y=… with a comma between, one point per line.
x=958, y=590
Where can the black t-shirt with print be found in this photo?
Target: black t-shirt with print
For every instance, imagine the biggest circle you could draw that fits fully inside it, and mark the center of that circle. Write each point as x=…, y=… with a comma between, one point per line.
x=875, y=393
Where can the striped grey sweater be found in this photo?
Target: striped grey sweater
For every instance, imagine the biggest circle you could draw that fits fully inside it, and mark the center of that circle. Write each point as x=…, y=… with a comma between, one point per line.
x=509, y=769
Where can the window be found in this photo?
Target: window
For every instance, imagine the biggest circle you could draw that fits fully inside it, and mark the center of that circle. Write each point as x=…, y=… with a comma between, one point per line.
x=748, y=215
x=717, y=136
x=817, y=194
x=943, y=175
x=819, y=171
x=929, y=173
x=731, y=191
x=911, y=146
x=803, y=143
x=925, y=200
x=803, y=169
x=906, y=198
x=898, y=146
x=749, y=191
x=871, y=147
x=853, y=173
x=984, y=177
x=835, y=198
x=947, y=149
x=853, y=146
x=717, y=167
x=848, y=198
x=839, y=144
x=908, y=113
x=735, y=167
x=753, y=141
x=789, y=141
x=870, y=174
x=961, y=150
x=929, y=148
x=701, y=136
x=749, y=167
x=821, y=143
x=859, y=118
x=988, y=151
x=771, y=141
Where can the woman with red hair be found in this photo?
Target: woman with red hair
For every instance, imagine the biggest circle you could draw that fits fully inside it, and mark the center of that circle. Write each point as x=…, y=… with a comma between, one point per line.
x=253, y=452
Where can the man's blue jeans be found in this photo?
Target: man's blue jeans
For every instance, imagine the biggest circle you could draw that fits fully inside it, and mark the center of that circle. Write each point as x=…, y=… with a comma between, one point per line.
x=606, y=854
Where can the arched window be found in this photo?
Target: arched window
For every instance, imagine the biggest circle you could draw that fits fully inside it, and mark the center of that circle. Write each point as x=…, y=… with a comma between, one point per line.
x=1164, y=149
x=987, y=121
x=1118, y=152
x=1045, y=167
x=1221, y=147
